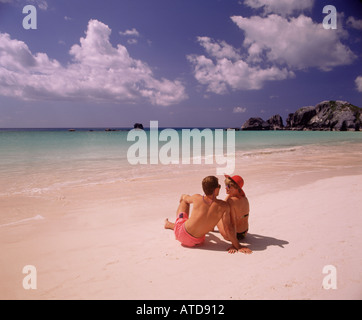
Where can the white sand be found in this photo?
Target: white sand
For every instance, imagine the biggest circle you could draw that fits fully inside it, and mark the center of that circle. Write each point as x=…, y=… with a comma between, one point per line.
x=100, y=246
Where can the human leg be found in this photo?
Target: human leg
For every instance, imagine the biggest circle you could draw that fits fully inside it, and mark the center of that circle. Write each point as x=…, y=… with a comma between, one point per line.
x=183, y=207
x=221, y=228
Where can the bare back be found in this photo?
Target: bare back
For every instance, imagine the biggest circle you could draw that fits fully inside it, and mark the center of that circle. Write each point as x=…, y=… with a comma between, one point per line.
x=239, y=212
x=204, y=217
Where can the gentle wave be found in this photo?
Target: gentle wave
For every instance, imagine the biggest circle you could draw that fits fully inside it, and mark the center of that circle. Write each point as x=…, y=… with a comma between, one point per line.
x=268, y=151
x=37, y=217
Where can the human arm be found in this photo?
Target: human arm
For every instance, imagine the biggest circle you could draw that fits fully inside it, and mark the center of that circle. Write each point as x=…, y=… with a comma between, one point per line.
x=229, y=230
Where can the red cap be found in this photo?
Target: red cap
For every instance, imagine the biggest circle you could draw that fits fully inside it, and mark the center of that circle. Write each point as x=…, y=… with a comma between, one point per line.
x=238, y=180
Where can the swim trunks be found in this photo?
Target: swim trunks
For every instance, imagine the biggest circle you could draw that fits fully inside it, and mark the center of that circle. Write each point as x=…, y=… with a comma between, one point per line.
x=181, y=233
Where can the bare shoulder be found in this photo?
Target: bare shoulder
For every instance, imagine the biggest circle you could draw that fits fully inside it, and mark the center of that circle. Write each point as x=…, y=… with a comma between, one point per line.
x=233, y=201
x=222, y=204
x=196, y=197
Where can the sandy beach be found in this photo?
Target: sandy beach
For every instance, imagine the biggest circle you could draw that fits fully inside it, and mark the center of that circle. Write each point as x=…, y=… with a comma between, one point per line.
x=108, y=241
x=112, y=115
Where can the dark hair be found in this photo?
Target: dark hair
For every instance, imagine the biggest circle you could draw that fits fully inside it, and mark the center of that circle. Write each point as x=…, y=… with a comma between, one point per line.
x=209, y=184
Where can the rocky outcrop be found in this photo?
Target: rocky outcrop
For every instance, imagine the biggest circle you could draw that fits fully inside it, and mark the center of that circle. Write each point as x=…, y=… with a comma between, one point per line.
x=274, y=123
x=300, y=119
x=255, y=124
x=138, y=126
x=327, y=116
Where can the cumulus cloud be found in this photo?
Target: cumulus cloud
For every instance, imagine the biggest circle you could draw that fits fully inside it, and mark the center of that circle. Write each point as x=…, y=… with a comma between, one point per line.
x=98, y=72
x=358, y=82
x=282, y=7
x=274, y=48
x=297, y=42
x=219, y=49
x=225, y=69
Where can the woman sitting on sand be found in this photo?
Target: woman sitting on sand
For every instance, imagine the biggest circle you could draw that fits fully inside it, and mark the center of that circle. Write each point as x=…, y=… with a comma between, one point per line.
x=239, y=205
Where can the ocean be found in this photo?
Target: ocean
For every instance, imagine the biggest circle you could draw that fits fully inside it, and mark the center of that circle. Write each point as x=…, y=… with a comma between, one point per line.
x=39, y=162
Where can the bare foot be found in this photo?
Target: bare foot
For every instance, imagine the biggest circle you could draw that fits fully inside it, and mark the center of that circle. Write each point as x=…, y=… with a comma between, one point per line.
x=245, y=250
x=169, y=225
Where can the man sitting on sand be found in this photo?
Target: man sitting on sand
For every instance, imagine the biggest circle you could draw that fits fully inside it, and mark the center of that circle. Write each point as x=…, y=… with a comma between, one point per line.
x=239, y=206
x=206, y=213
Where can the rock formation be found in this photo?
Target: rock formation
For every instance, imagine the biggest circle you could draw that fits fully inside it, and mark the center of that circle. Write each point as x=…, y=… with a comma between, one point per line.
x=274, y=123
x=325, y=116
x=255, y=124
x=138, y=126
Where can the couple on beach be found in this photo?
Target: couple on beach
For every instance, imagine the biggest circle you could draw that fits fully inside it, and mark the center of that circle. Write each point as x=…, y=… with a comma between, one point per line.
x=230, y=216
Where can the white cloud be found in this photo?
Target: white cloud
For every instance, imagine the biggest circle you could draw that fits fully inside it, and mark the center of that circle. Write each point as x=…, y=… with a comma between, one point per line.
x=273, y=49
x=282, y=7
x=98, y=72
x=298, y=42
x=358, y=82
x=132, y=32
x=218, y=50
x=225, y=69
x=354, y=23
x=239, y=110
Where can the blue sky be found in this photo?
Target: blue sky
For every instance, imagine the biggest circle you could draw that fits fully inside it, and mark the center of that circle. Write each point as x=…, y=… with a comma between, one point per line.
x=185, y=63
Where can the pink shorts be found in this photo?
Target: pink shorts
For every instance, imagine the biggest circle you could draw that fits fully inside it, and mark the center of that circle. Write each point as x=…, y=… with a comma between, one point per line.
x=182, y=235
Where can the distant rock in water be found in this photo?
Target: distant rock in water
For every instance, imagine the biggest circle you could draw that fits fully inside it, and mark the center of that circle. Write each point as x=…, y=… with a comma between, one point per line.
x=138, y=126
x=300, y=119
x=255, y=124
x=274, y=123
x=326, y=116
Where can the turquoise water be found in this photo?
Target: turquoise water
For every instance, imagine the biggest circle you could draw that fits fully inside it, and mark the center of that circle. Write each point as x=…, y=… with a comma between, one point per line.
x=60, y=147
x=35, y=161
x=249, y=140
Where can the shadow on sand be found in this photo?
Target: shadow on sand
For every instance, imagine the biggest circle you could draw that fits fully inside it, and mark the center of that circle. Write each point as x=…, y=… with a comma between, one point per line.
x=254, y=242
